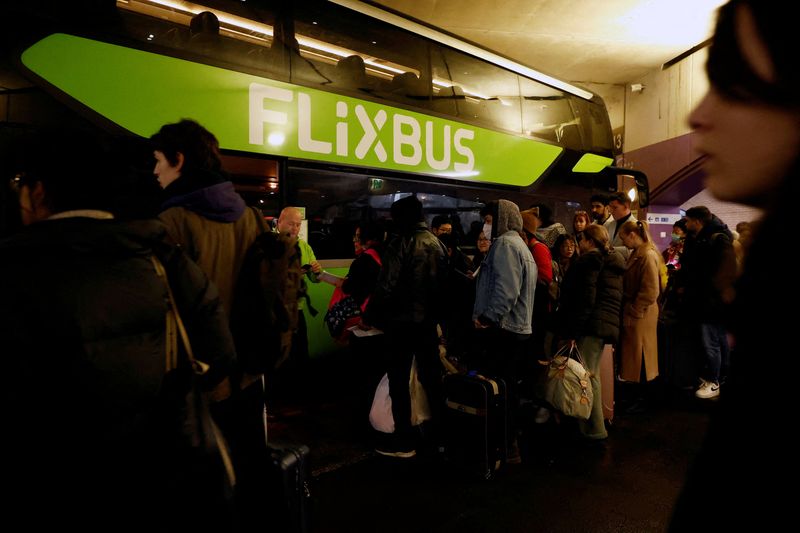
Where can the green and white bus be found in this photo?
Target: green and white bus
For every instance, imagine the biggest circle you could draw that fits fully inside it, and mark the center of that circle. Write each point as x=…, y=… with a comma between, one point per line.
x=338, y=107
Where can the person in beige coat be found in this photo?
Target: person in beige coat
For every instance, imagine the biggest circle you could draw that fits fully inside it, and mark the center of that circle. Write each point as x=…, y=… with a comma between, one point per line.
x=641, y=287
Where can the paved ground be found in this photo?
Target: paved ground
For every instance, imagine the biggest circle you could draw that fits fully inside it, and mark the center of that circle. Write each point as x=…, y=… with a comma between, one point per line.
x=628, y=485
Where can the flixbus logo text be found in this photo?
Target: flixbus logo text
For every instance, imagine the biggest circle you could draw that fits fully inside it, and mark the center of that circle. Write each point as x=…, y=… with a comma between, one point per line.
x=355, y=130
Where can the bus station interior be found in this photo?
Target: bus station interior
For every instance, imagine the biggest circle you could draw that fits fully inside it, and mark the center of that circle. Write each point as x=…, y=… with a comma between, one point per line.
x=640, y=89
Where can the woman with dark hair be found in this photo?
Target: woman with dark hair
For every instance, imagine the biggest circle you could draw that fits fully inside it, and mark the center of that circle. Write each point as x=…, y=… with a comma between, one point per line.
x=564, y=253
x=672, y=254
x=588, y=316
x=748, y=129
x=580, y=220
x=363, y=273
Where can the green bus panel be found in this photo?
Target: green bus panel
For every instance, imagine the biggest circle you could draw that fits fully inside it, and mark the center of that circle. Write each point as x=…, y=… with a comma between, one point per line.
x=141, y=91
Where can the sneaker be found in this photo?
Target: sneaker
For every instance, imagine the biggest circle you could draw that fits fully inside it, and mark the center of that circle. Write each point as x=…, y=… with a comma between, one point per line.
x=542, y=415
x=708, y=390
x=402, y=454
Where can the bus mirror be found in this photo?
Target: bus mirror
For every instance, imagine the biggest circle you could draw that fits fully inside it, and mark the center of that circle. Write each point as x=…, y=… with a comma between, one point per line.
x=643, y=189
x=639, y=178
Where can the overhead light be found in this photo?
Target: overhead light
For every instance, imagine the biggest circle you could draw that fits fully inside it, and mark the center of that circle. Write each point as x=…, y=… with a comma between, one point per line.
x=637, y=87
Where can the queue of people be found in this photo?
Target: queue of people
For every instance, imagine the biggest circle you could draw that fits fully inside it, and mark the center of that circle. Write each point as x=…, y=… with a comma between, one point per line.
x=92, y=301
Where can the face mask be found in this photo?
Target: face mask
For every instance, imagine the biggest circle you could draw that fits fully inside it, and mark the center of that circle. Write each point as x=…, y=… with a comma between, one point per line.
x=676, y=237
x=487, y=231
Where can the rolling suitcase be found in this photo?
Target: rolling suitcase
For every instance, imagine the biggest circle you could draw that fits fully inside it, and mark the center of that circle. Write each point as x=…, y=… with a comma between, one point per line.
x=288, y=478
x=475, y=423
x=288, y=507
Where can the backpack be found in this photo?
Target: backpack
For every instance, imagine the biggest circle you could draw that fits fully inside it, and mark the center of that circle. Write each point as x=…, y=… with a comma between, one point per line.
x=264, y=310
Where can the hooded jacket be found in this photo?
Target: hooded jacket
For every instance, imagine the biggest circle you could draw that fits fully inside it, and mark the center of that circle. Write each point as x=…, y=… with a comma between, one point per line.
x=708, y=271
x=211, y=223
x=411, y=285
x=507, y=277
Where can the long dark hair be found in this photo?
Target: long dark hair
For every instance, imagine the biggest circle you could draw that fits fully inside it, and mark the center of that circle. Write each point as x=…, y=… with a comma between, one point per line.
x=731, y=73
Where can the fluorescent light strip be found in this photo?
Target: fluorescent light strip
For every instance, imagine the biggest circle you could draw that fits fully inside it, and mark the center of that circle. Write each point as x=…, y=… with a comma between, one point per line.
x=234, y=22
x=265, y=29
x=424, y=31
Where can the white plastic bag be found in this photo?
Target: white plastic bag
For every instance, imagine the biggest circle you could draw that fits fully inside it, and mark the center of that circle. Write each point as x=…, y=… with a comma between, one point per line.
x=380, y=415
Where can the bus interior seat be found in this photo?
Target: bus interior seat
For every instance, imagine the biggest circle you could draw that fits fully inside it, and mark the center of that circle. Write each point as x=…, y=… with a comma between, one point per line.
x=351, y=73
x=204, y=31
x=409, y=85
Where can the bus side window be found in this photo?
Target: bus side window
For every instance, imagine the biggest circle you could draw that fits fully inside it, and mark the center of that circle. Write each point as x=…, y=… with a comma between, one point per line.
x=408, y=85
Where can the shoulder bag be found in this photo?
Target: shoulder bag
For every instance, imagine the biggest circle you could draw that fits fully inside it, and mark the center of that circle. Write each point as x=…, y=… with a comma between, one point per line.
x=567, y=386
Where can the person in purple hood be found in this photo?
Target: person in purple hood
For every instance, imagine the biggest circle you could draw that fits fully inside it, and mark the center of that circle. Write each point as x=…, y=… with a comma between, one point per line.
x=202, y=211
x=210, y=221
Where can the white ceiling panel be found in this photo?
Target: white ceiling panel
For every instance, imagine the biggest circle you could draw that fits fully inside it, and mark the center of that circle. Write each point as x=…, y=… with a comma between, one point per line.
x=588, y=41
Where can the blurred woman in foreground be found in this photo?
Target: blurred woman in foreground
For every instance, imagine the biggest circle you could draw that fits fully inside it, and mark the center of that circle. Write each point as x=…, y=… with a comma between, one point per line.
x=748, y=129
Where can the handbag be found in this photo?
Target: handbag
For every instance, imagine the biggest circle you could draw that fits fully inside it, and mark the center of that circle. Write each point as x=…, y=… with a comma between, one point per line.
x=341, y=315
x=184, y=413
x=380, y=415
x=567, y=385
x=343, y=311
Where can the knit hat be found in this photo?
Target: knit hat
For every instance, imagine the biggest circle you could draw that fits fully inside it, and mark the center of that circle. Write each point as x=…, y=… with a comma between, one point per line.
x=530, y=219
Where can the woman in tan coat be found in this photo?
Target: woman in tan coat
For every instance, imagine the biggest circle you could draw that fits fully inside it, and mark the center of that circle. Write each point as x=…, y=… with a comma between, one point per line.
x=641, y=287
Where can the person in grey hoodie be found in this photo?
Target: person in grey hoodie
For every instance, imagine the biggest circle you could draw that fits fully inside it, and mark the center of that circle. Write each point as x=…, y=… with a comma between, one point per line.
x=503, y=309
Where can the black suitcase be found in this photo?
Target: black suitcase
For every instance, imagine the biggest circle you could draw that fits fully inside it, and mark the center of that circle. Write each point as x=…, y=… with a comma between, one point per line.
x=475, y=423
x=289, y=498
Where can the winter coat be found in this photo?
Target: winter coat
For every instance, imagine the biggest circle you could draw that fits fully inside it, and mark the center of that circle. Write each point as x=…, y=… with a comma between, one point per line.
x=708, y=271
x=591, y=297
x=410, y=289
x=215, y=229
x=641, y=288
x=82, y=323
x=507, y=278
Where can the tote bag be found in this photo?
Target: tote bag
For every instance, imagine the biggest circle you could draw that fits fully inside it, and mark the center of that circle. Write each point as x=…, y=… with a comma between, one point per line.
x=567, y=386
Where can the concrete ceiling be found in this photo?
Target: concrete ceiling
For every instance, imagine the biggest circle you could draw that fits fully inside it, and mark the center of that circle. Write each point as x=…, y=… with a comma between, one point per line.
x=582, y=41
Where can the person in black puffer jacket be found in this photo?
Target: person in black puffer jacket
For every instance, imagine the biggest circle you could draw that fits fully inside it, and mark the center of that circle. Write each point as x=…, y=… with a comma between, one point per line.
x=589, y=312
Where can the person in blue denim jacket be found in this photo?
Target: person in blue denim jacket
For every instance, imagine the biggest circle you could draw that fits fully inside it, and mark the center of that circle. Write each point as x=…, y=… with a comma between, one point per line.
x=503, y=308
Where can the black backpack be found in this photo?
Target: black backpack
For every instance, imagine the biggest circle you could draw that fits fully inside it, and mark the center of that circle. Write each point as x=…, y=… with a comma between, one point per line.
x=264, y=309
